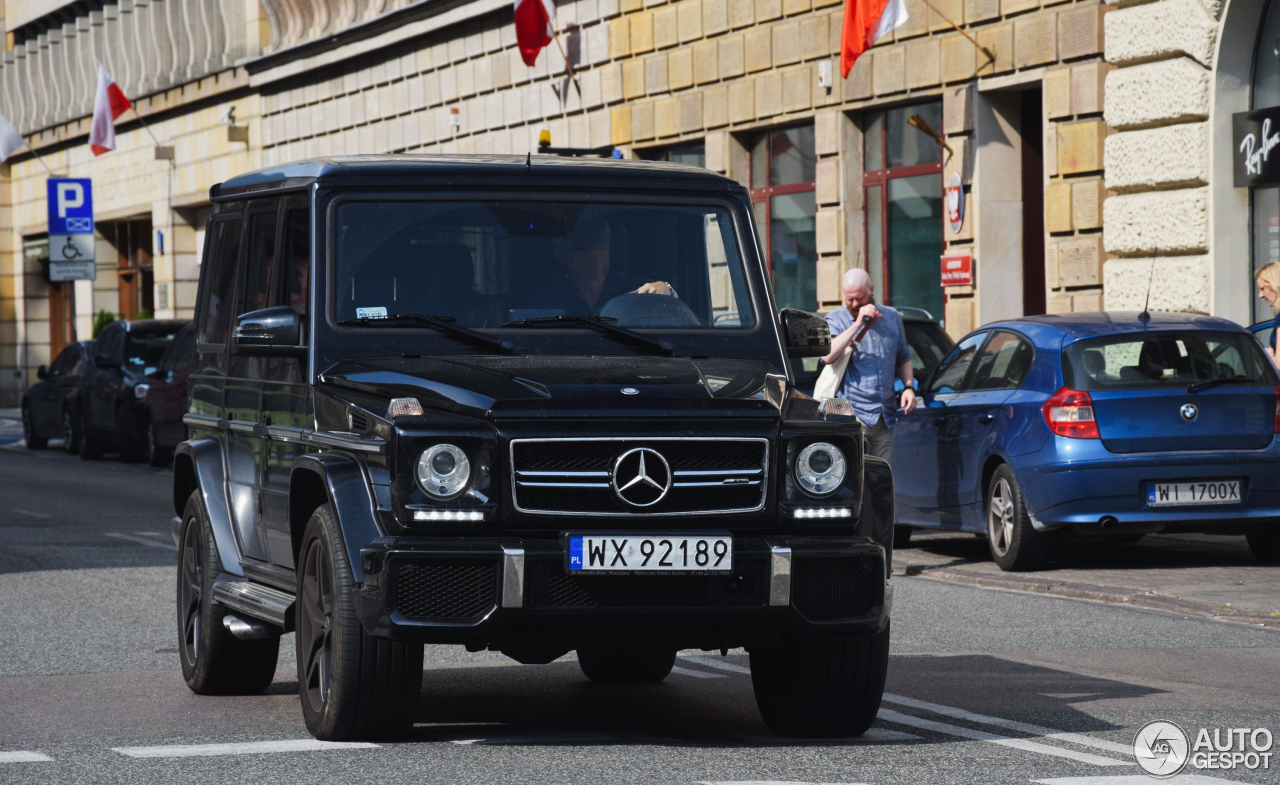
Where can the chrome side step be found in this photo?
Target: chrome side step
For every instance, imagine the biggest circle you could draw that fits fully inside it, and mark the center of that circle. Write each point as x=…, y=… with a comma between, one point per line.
x=260, y=602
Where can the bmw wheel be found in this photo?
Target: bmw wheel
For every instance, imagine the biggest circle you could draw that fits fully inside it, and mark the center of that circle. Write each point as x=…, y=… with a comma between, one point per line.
x=1014, y=542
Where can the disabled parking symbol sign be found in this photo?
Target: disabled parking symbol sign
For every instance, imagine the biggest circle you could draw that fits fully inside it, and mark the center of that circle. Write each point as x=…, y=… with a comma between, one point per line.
x=71, y=246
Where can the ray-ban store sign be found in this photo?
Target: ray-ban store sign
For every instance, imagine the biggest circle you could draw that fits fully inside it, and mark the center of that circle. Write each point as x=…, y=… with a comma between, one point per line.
x=1256, y=140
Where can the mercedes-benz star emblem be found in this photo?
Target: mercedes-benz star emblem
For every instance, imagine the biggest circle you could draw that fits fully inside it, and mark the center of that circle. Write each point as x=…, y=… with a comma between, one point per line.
x=1189, y=411
x=641, y=477
x=630, y=391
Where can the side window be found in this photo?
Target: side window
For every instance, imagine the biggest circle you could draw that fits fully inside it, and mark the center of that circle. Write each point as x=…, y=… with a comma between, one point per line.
x=185, y=354
x=953, y=369
x=111, y=342
x=1003, y=364
x=255, y=287
x=296, y=250
x=64, y=361
x=224, y=252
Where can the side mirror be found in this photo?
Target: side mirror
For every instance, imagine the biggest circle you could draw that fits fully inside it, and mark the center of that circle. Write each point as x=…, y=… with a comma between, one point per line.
x=42, y=372
x=269, y=332
x=104, y=362
x=805, y=334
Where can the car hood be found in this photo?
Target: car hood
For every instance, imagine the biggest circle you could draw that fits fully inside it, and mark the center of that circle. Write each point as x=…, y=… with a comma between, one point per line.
x=595, y=387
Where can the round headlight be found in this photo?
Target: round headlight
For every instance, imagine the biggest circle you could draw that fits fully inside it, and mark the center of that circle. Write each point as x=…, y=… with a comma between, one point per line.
x=820, y=468
x=444, y=471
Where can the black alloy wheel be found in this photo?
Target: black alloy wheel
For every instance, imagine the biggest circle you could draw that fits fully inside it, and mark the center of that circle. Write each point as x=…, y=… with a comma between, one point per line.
x=352, y=684
x=70, y=432
x=214, y=662
x=33, y=441
x=632, y=663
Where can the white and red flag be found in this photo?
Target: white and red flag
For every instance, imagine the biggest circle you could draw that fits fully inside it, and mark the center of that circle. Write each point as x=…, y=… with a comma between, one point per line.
x=533, y=27
x=109, y=104
x=865, y=21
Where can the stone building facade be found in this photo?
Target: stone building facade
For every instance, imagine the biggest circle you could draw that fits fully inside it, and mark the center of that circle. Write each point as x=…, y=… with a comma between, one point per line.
x=1089, y=137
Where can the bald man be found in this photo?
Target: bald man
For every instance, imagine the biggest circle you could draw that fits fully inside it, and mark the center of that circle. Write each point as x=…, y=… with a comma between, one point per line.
x=878, y=358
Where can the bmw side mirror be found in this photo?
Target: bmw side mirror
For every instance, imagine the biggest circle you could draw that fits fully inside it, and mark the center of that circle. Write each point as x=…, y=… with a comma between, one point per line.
x=269, y=332
x=806, y=334
x=42, y=372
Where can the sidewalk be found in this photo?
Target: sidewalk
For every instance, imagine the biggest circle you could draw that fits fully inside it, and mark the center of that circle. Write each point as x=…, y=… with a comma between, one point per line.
x=1193, y=574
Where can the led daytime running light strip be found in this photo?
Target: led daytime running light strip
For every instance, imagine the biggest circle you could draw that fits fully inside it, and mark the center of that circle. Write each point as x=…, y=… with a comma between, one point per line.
x=823, y=512
x=448, y=515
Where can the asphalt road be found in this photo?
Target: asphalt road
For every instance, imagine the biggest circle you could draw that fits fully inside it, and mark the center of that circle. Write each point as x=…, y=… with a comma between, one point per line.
x=985, y=686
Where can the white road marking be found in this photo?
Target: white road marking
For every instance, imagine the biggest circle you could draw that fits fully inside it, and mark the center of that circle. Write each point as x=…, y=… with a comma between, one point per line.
x=715, y=662
x=1138, y=779
x=22, y=756
x=1069, y=695
x=142, y=541
x=977, y=735
x=542, y=738
x=242, y=748
x=32, y=514
x=999, y=722
x=696, y=674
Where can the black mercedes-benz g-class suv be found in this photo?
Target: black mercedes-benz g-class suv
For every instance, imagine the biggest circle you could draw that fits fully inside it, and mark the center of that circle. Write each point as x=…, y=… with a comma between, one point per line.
x=531, y=405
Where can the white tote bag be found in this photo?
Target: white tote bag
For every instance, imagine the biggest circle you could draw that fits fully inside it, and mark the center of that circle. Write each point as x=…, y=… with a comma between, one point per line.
x=831, y=376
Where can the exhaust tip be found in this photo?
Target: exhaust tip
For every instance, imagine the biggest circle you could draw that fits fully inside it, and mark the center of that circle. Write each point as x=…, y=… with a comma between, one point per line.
x=1108, y=522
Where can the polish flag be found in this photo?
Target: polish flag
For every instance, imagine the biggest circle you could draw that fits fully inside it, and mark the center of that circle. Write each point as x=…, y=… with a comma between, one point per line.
x=865, y=21
x=109, y=104
x=533, y=27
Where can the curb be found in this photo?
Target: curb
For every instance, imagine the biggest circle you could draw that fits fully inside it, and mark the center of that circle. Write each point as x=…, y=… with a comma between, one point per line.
x=1088, y=591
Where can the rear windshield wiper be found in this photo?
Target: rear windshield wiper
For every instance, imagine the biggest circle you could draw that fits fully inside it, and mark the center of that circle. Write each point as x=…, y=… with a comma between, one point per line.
x=442, y=323
x=1198, y=386
x=601, y=324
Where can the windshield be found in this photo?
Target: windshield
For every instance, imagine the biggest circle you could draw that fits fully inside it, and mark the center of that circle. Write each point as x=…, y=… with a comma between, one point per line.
x=490, y=264
x=1170, y=359
x=146, y=350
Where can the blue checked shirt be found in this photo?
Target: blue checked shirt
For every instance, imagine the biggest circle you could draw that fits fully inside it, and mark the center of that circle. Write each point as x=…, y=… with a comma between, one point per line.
x=873, y=366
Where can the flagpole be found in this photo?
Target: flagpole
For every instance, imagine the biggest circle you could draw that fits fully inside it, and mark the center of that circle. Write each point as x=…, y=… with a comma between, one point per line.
x=27, y=144
x=568, y=66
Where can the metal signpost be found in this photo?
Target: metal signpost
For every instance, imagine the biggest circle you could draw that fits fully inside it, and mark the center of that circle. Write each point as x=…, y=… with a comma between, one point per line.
x=71, y=230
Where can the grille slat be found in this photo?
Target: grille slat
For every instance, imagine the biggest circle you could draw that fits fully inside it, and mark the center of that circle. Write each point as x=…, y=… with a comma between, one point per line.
x=709, y=476
x=446, y=589
x=837, y=587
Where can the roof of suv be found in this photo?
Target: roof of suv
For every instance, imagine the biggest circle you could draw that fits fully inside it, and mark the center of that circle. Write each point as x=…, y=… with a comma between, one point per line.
x=554, y=171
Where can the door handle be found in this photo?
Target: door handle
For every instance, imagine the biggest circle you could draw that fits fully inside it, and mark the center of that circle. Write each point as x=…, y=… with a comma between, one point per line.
x=987, y=419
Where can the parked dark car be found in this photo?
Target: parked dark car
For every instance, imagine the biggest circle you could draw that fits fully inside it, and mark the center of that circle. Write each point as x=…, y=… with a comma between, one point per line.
x=165, y=394
x=928, y=342
x=414, y=420
x=1105, y=426
x=113, y=416
x=51, y=408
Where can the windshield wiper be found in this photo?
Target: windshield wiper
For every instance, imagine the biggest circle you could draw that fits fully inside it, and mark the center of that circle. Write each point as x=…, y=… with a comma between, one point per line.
x=1198, y=386
x=442, y=323
x=601, y=324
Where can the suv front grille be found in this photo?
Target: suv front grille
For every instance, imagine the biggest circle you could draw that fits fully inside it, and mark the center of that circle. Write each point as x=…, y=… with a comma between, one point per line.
x=446, y=589
x=700, y=476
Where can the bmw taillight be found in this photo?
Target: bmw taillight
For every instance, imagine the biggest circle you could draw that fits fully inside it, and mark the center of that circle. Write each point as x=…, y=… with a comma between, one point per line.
x=1070, y=413
x=1275, y=426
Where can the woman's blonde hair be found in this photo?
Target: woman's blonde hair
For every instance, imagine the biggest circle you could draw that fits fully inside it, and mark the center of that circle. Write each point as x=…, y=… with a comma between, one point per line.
x=1270, y=275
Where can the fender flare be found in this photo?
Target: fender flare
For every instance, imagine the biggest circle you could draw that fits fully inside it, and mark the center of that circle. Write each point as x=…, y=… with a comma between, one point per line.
x=343, y=479
x=876, y=518
x=197, y=464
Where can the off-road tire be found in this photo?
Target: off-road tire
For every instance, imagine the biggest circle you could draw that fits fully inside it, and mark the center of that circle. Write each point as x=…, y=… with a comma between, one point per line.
x=353, y=686
x=901, y=537
x=820, y=688
x=70, y=432
x=29, y=432
x=91, y=447
x=1014, y=543
x=214, y=662
x=1264, y=541
x=622, y=664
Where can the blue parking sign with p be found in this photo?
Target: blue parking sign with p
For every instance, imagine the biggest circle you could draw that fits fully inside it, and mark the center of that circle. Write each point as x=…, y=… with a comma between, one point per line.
x=70, y=206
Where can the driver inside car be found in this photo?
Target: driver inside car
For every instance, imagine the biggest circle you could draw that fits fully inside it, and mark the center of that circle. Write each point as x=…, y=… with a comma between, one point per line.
x=588, y=283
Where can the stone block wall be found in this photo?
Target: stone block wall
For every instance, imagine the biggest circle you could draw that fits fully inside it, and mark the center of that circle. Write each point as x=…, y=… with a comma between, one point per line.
x=1156, y=221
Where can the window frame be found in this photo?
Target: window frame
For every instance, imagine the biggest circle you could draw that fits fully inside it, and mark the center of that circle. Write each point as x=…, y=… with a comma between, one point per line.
x=991, y=334
x=764, y=195
x=927, y=389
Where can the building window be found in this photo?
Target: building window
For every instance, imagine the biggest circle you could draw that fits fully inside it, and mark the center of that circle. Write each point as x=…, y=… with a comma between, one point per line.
x=1266, y=200
x=903, y=189
x=693, y=154
x=782, y=167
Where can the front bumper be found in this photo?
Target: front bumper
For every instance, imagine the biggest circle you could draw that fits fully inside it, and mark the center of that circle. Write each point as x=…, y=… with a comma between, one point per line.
x=514, y=594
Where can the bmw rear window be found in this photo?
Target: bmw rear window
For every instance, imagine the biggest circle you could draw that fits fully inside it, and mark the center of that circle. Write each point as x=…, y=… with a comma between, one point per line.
x=1135, y=361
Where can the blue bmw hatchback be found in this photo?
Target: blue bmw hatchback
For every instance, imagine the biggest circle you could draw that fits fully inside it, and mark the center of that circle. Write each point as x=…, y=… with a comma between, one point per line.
x=1106, y=426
